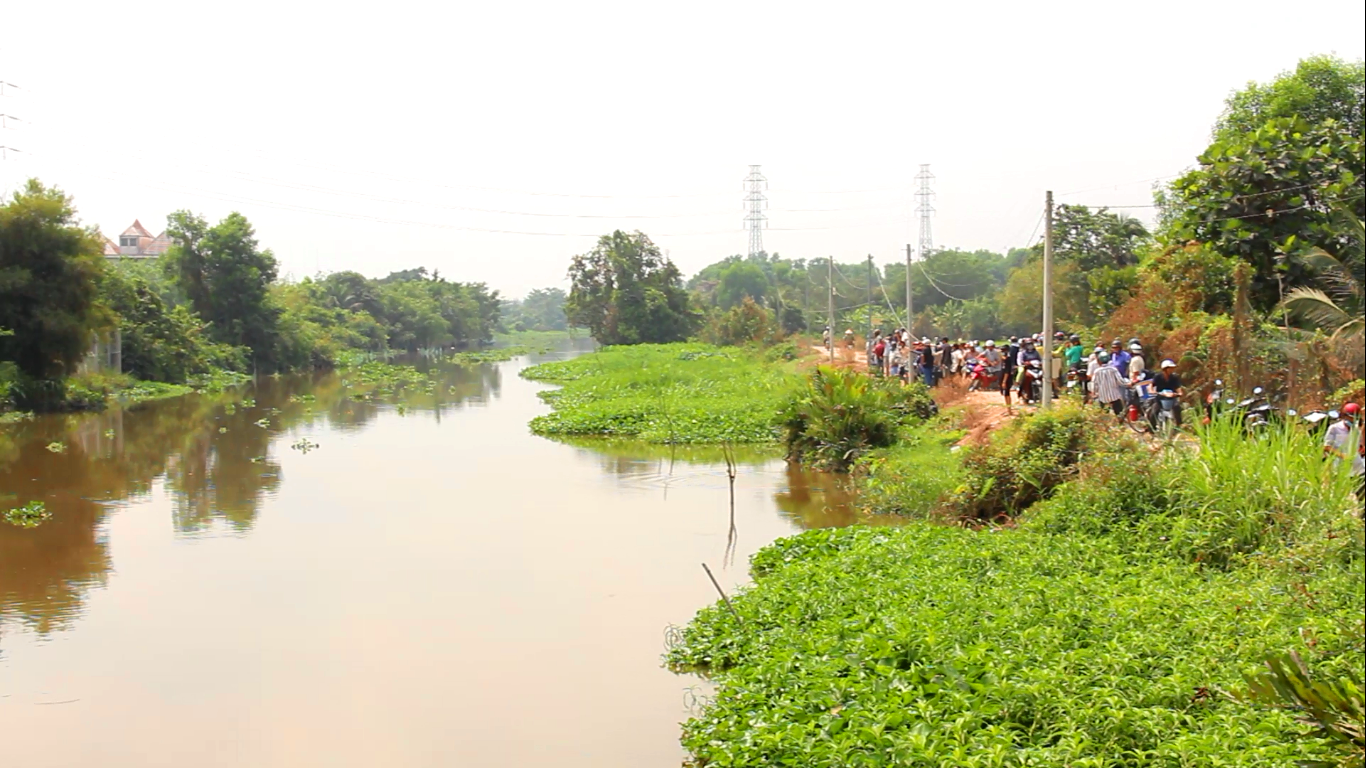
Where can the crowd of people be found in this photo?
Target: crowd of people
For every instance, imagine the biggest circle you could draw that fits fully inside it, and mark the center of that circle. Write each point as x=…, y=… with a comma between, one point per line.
x=1114, y=378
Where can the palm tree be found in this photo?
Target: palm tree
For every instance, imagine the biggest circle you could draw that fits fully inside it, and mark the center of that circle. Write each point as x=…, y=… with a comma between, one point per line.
x=1335, y=305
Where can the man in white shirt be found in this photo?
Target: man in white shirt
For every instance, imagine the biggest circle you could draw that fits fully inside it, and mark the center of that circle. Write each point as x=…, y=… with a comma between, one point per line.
x=1342, y=438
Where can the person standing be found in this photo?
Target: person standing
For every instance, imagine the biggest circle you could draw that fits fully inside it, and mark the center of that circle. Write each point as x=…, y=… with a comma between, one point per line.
x=1110, y=386
x=1338, y=442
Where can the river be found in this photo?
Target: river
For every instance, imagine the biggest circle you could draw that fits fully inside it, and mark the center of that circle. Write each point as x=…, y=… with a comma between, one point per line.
x=431, y=585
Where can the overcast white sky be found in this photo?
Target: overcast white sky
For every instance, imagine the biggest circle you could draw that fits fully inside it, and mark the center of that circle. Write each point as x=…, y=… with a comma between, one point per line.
x=360, y=136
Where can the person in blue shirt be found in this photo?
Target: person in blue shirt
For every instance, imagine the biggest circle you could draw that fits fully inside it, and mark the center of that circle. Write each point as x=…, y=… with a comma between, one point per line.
x=1119, y=358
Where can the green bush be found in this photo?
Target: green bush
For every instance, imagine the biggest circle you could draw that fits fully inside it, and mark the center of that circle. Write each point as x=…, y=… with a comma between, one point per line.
x=1026, y=461
x=838, y=416
x=162, y=343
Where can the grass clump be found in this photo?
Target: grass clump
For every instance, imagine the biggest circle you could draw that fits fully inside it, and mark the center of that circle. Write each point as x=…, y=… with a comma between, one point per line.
x=838, y=416
x=663, y=393
x=944, y=646
x=915, y=477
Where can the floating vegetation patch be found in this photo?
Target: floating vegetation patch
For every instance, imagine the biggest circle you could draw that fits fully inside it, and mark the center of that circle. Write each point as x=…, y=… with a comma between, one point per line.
x=30, y=515
x=664, y=393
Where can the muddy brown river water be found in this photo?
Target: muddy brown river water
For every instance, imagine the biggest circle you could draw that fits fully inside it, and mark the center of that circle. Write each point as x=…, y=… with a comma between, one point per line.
x=432, y=585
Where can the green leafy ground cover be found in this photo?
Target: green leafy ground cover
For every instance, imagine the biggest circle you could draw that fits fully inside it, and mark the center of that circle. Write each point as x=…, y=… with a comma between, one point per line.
x=1138, y=588
x=665, y=393
x=939, y=646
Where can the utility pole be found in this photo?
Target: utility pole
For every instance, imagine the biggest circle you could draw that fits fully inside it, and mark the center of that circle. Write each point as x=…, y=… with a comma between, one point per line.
x=910, y=302
x=1048, y=300
x=830, y=294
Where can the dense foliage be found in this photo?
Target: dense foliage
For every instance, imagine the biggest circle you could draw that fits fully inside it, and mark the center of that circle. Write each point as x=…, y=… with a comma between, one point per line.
x=676, y=393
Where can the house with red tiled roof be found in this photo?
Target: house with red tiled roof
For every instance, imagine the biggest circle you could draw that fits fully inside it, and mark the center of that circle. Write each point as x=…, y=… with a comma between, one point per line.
x=137, y=243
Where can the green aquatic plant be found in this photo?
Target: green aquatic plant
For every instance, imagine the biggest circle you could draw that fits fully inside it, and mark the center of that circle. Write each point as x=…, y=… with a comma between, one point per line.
x=304, y=445
x=946, y=646
x=663, y=393
x=30, y=515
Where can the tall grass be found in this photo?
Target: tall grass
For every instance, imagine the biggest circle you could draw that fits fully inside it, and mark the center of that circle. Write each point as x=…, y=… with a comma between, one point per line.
x=1237, y=496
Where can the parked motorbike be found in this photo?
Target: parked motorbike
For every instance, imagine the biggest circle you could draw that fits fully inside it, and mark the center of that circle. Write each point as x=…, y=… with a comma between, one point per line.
x=985, y=377
x=1214, y=401
x=1078, y=381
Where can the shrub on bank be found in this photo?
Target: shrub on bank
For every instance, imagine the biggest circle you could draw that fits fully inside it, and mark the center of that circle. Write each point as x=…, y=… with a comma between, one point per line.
x=1028, y=459
x=838, y=416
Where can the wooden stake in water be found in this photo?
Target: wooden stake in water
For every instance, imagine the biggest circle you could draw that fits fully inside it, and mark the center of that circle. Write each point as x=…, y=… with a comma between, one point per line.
x=722, y=592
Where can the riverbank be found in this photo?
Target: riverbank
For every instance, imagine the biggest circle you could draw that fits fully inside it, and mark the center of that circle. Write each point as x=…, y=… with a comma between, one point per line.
x=1113, y=615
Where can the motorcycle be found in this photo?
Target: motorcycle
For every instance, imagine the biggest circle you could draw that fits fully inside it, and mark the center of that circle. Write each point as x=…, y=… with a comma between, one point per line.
x=1214, y=400
x=1318, y=421
x=1162, y=414
x=987, y=377
x=1078, y=381
x=1031, y=389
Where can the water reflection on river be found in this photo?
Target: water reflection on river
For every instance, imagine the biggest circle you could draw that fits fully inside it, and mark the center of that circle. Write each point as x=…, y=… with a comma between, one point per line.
x=431, y=586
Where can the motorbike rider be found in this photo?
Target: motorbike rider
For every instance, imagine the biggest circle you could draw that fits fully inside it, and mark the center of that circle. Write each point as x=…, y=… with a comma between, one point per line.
x=1168, y=380
x=1027, y=353
x=1110, y=388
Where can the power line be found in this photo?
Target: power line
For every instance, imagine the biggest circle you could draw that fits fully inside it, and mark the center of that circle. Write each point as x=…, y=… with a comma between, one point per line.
x=935, y=285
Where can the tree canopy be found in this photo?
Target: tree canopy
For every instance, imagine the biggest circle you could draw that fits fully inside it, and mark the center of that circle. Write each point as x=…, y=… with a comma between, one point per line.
x=1319, y=88
x=50, y=268
x=626, y=292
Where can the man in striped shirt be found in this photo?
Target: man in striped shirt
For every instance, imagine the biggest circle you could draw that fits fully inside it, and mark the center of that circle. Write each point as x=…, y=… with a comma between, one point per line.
x=1109, y=385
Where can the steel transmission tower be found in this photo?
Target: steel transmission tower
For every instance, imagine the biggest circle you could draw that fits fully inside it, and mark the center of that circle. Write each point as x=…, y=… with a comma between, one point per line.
x=6, y=148
x=756, y=203
x=925, y=207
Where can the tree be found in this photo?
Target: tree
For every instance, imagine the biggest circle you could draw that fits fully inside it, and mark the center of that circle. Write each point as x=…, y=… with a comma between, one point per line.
x=160, y=343
x=626, y=292
x=1320, y=88
x=1334, y=304
x=541, y=310
x=50, y=268
x=1269, y=193
x=1096, y=239
x=227, y=280
x=740, y=281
